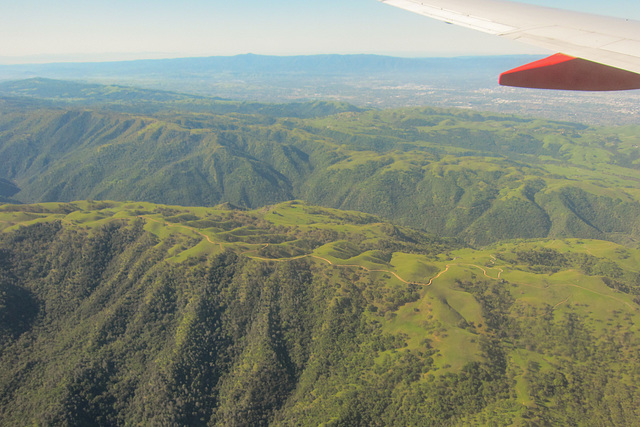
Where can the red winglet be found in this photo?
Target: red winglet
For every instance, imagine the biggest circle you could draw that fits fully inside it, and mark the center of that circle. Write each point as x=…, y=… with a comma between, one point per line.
x=565, y=72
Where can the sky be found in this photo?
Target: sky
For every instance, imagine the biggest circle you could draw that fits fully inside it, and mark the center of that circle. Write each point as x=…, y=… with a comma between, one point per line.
x=99, y=30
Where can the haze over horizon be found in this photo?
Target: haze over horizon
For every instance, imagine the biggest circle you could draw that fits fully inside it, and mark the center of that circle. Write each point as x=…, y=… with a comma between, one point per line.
x=35, y=31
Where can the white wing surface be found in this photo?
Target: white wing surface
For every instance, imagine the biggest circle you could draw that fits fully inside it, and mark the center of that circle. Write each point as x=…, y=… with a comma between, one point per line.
x=614, y=42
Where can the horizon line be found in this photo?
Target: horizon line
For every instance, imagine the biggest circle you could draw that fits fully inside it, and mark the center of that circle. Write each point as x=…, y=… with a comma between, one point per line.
x=78, y=61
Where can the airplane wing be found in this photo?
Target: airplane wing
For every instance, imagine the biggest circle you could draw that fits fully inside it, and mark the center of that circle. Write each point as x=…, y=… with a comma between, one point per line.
x=597, y=52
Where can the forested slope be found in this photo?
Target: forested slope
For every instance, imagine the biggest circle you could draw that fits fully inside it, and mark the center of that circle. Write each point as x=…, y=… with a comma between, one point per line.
x=132, y=313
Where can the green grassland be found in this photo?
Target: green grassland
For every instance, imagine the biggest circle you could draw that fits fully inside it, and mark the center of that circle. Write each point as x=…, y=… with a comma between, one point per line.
x=363, y=314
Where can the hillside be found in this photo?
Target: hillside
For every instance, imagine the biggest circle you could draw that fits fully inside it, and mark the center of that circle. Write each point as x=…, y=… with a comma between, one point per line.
x=477, y=176
x=133, y=313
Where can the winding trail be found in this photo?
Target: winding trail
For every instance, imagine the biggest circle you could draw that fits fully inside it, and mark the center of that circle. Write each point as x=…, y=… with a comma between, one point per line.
x=439, y=274
x=561, y=302
x=468, y=265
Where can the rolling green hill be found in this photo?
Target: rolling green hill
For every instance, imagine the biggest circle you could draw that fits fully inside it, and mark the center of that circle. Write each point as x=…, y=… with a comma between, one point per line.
x=481, y=177
x=133, y=313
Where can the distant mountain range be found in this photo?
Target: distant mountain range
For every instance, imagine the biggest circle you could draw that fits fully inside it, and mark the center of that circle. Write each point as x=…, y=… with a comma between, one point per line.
x=260, y=64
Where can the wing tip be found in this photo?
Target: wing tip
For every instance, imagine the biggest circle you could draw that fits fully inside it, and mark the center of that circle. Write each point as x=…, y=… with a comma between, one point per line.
x=563, y=72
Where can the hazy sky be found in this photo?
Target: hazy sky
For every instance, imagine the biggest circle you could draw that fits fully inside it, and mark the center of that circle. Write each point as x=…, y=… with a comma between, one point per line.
x=47, y=30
